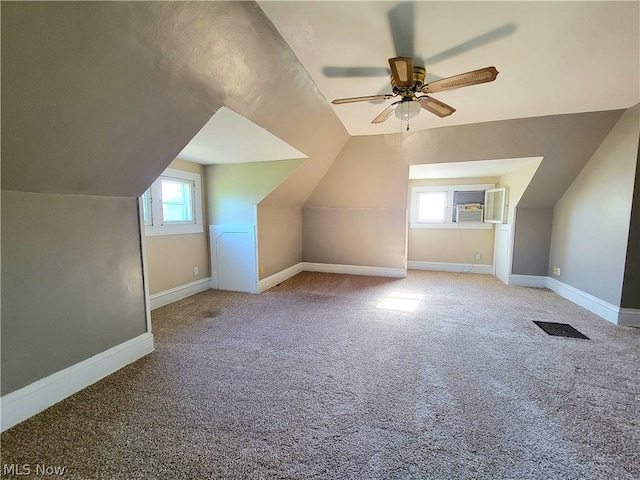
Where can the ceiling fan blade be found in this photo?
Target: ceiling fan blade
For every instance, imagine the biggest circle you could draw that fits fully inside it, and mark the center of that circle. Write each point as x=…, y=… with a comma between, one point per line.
x=369, y=98
x=436, y=106
x=402, y=71
x=482, y=75
x=355, y=72
x=386, y=113
x=401, y=22
x=476, y=42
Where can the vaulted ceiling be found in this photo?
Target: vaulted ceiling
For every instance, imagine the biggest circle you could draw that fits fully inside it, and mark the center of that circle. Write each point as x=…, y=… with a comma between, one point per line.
x=553, y=57
x=113, y=91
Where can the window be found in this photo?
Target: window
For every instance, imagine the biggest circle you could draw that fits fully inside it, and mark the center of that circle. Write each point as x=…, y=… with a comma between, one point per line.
x=495, y=200
x=177, y=201
x=173, y=204
x=448, y=206
x=146, y=207
x=432, y=206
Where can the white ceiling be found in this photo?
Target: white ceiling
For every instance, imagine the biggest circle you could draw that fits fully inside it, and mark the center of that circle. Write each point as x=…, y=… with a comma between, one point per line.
x=230, y=138
x=553, y=57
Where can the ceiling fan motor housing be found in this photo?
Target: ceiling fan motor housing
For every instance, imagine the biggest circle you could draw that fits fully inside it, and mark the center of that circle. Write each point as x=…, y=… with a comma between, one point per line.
x=419, y=74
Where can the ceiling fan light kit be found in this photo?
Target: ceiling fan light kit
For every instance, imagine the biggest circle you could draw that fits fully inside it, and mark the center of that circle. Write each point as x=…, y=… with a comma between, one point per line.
x=406, y=110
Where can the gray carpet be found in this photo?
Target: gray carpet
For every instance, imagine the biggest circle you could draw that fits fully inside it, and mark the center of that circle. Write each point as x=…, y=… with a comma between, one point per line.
x=310, y=380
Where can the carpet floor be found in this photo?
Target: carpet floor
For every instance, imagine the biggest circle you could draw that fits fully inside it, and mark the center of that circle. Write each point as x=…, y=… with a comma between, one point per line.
x=327, y=376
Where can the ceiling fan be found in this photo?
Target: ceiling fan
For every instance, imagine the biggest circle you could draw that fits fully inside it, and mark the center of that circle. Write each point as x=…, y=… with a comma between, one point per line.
x=407, y=81
x=408, y=75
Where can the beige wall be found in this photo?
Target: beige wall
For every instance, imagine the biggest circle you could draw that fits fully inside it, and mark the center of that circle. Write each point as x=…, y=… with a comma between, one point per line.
x=355, y=236
x=234, y=190
x=171, y=258
x=279, y=239
x=358, y=213
x=450, y=245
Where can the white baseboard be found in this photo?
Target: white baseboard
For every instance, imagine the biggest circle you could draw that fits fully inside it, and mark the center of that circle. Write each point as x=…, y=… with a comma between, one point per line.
x=537, y=281
x=629, y=317
x=183, y=291
x=24, y=403
x=593, y=304
x=450, y=267
x=354, y=269
x=276, y=278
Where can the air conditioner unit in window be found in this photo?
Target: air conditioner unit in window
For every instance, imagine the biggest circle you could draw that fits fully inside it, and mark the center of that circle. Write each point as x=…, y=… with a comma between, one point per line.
x=469, y=213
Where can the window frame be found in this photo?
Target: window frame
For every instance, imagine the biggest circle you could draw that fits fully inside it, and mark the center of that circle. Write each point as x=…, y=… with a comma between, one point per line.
x=493, y=197
x=447, y=211
x=155, y=225
x=448, y=223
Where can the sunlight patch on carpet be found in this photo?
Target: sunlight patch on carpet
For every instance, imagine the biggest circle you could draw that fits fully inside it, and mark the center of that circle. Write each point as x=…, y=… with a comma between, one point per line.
x=402, y=301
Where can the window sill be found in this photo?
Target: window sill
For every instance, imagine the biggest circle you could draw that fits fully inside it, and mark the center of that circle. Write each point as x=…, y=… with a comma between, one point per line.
x=454, y=226
x=151, y=231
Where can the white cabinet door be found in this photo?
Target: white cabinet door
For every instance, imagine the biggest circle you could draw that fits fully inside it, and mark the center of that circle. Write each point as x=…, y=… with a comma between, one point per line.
x=233, y=258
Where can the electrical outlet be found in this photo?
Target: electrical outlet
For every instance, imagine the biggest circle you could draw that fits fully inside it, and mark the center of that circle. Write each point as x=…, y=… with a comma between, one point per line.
x=195, y=270
x=556, y=270
x=477, y=256
x=261, y=269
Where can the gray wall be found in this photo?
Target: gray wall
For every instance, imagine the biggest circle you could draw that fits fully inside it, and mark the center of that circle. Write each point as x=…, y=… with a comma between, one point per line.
x=72, y=281
x=631, y=282
x=279, y=239
x=531, y=241
x=591, y=220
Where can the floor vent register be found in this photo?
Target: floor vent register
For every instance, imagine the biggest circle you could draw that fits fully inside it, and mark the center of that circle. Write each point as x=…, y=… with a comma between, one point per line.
x=560, y=330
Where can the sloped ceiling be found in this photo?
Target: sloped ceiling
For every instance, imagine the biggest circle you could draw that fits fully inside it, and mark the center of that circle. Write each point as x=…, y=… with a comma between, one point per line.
x=554, y=57
x=381, y=162
x=230, y=138
x=99, y=97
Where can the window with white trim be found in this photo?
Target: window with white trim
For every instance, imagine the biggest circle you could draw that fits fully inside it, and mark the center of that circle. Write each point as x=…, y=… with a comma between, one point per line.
x=431, y=206
x=173, y=204
x=448, y=206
